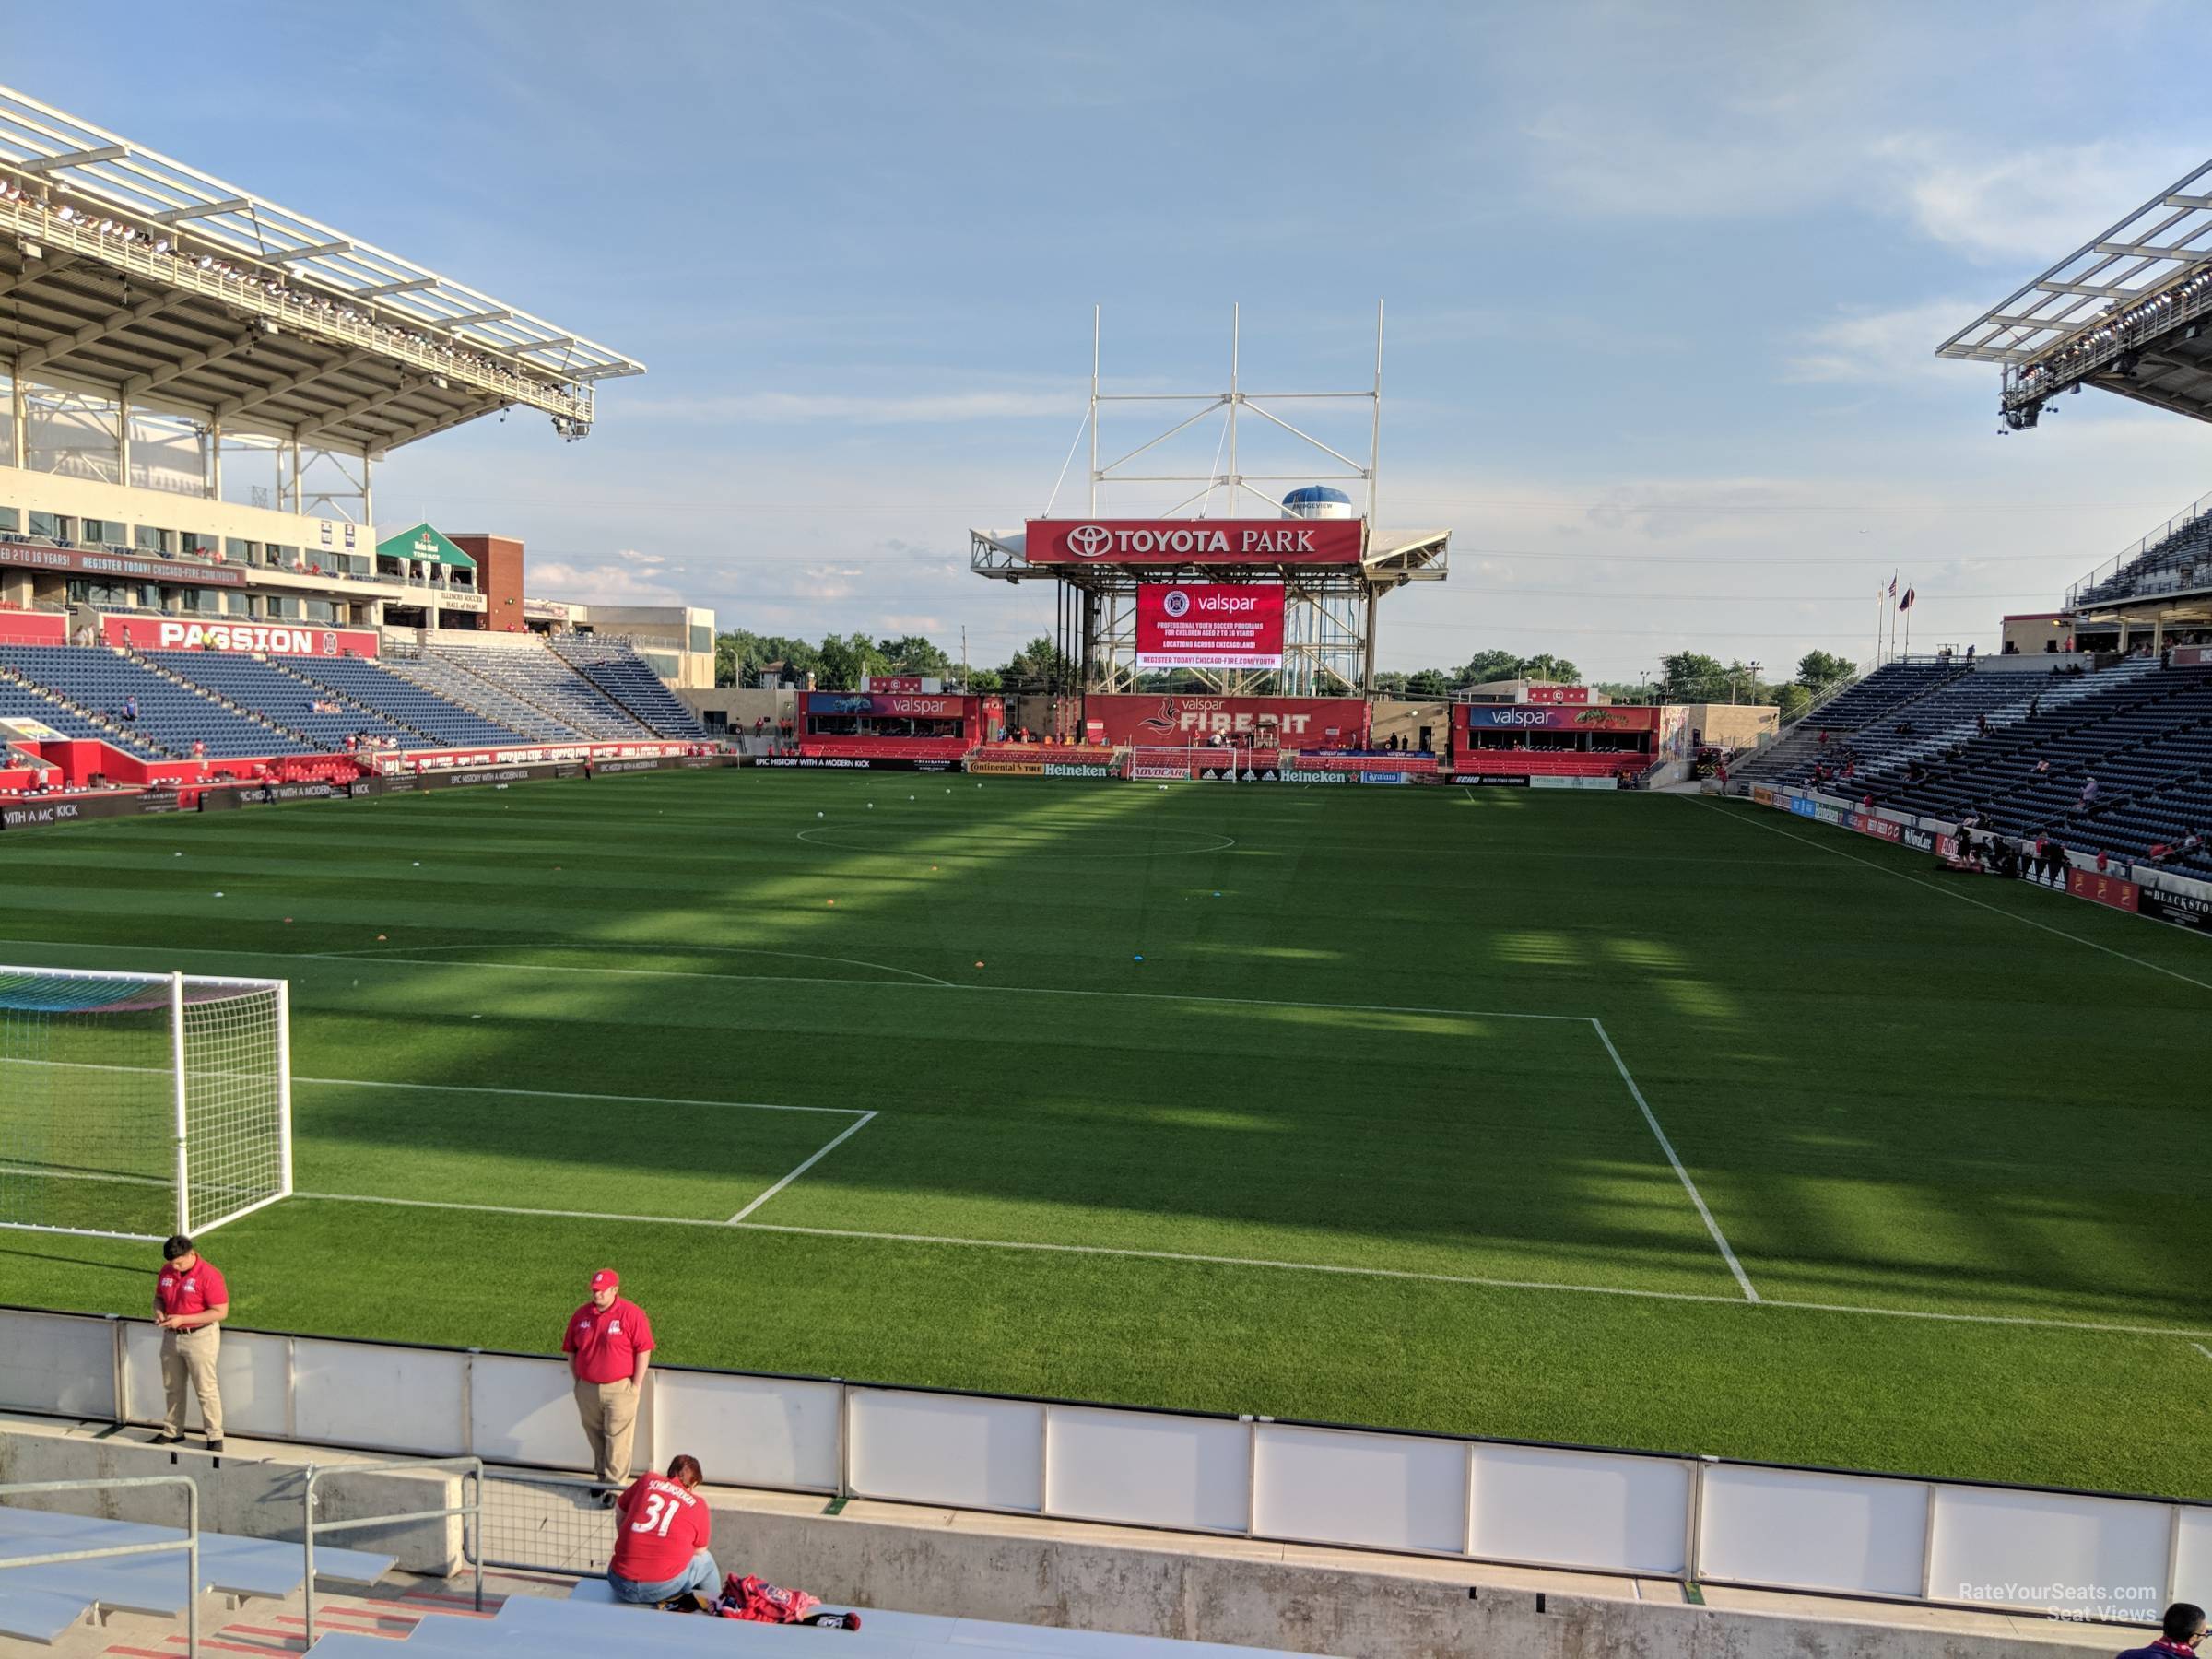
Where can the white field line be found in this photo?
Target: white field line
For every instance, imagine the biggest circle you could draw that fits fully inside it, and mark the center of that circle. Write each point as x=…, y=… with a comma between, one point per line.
x=47, y=1173
x=369, y=953
x=1667, y=1146
x=843, y=1135
x=2201, y=1348
x=532, y=1094
x=785, y=979
x=1755, y=820
x=1222, y=843
x=1474, y=1281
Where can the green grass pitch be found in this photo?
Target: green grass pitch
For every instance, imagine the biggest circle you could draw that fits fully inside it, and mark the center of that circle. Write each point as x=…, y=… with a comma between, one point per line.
x=1363, y=1136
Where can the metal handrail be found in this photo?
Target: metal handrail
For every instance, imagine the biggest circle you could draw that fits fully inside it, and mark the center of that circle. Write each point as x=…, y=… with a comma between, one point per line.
x=189, y=1543
x=471, y=1508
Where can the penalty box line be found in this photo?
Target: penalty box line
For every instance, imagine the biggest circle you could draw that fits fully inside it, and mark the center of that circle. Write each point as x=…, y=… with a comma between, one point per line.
x=1667, y=1146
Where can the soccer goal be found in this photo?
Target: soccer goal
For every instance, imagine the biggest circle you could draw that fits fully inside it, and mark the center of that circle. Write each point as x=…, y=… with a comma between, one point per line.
x=1194, y=765
x=136, y=1105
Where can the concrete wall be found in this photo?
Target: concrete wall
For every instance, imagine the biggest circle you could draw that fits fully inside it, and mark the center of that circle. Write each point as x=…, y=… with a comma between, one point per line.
x=1081, y=1575
x=741, y=708
x=1313, y=1601
x=1394, y=718
x=1734, y=725
x=249, y=1496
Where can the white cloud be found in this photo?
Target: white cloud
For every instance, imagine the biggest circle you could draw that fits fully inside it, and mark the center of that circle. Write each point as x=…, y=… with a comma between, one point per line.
x=597, y=584
x=1882, y=347
x=2024, y=204
x=861, y=409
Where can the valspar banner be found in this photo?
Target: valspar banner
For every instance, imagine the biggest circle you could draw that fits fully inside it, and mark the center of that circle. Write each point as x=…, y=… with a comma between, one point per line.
x=1195, y=541
x=1268, y=721
x=1526, y=717
x=903, y=704
x=1209, y=625
x=270, y=638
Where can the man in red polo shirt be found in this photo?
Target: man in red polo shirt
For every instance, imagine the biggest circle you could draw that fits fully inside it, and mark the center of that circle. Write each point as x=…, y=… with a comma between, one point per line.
x=609, y=1345
x=661, y=1530
x=191, y=1302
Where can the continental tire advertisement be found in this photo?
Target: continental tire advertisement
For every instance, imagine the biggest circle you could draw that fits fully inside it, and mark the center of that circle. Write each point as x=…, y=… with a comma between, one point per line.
x=1027, y=767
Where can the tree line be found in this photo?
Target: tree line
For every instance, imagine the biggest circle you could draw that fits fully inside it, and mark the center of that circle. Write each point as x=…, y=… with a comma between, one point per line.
x=838, y=663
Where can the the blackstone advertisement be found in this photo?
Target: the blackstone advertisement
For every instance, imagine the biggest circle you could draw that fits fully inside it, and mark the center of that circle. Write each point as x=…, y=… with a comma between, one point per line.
x=2183, y=909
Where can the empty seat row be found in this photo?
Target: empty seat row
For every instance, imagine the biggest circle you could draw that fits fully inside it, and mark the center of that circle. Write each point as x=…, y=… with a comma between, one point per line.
x=21, y=700
x=536, y=676
x=623, y=674
x=390, y=689
x=278, y=694
x=173, y=717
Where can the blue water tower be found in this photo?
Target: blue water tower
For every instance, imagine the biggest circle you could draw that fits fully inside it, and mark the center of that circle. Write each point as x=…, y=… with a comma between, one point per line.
x=1317, y=501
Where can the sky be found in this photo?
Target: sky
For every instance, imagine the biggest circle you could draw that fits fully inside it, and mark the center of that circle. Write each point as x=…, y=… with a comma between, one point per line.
x=1662, y=284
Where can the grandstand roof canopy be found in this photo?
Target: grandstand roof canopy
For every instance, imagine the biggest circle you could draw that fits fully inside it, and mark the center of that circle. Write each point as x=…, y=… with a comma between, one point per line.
x=125, y=272
x=2129, y=311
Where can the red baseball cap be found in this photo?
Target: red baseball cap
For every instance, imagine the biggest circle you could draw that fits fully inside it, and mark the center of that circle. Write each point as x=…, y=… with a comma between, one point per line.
x=607, y=1278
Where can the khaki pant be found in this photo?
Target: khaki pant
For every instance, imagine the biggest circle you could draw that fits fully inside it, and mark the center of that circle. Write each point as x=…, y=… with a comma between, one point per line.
x=609, y=1411
x=190, y=1355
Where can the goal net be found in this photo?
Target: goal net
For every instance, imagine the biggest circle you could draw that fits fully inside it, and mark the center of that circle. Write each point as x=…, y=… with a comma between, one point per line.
x=1222, y=765
x=136, y=1105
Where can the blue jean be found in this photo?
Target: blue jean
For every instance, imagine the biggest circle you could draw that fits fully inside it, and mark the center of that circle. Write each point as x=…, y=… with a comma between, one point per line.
x=703, y=1575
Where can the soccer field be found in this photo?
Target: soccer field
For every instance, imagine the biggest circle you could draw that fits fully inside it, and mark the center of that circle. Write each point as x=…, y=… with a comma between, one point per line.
x=1633, y=1120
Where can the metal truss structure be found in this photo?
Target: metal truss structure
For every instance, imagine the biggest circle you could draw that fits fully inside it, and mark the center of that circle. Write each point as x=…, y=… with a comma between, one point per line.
x=2129, y=311
x=1329, y=614
x=132, y=275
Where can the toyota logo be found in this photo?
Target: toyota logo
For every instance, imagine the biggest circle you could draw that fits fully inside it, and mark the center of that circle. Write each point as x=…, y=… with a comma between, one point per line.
x=1087, y=541
x=1177, y=603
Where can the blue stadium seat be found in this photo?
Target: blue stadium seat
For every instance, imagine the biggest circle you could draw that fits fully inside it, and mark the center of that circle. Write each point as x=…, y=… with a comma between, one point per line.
x=623, y=674
x=278, y=693
x=535, y=676
x=171, y=717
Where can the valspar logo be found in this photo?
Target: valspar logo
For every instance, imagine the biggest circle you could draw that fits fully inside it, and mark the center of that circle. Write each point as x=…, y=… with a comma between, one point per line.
x=1213, y=604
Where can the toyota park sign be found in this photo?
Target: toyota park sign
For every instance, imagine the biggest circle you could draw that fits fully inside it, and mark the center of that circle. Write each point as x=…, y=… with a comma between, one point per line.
x=1170, y=542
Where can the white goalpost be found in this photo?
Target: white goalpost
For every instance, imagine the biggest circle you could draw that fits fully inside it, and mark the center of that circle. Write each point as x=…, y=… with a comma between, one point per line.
x=136, y=1105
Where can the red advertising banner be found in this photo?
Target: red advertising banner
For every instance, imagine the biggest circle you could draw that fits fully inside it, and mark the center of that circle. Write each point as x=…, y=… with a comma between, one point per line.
x=1177, y=722
x=2104, y=889
x=2191, y=656
x=1195, y=541
x=1526, y=717
x=269, y=639
x=33, y=628
x=894, y=704
x=1559, y=694
x=87, y=562
x=1881, y=828
x=1209, y=625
